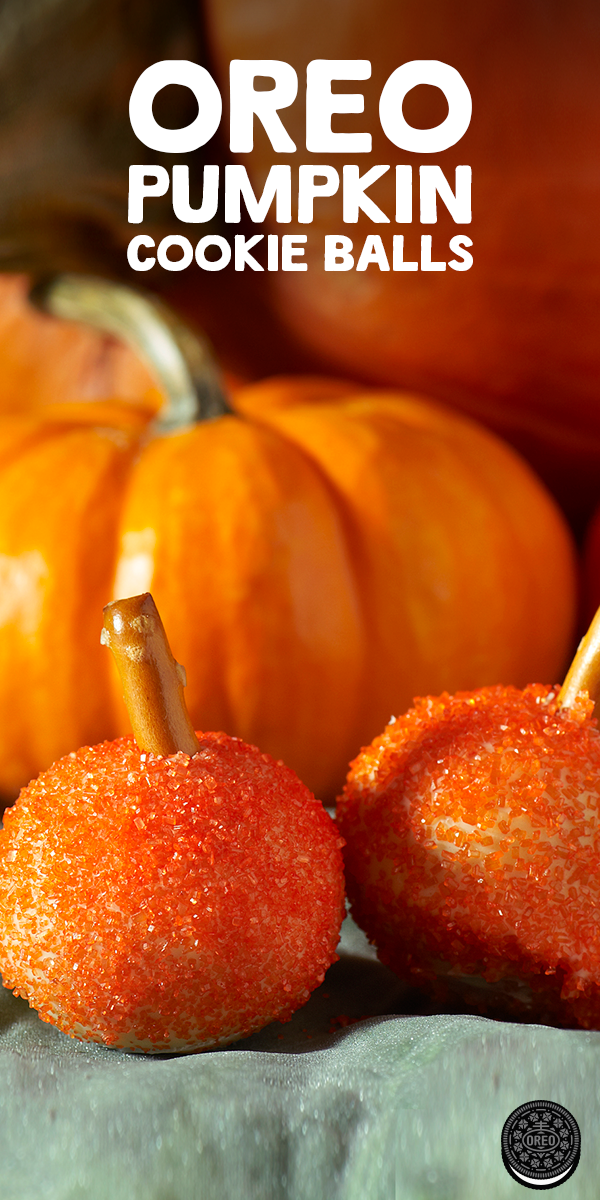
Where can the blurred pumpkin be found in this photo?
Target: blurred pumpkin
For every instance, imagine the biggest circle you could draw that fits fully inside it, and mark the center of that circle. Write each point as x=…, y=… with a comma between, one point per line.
x=513, y=341
x=591, y=568
x=67, y=71
x=45, y=359
x=66, y=143
x=319, y=557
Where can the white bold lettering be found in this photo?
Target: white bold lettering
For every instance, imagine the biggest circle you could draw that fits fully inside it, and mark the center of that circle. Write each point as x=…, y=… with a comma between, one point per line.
x=403, y=195
x=278, y=187
x=292, y=246
x=436, y=74
x=133, y=253
x=398, y=262
x=426, y=262
x=433, y=183
x=373, y=252
x=246, y=103
x=187, y=74
x=308, y=188
x=338, y=253
x=178, y=264
x=355, y=186
x=272, y=252
x=213, y=264
x=243, y=257
x=139, y=189
x=457, y=244
x=321, y=103
x=181, y=194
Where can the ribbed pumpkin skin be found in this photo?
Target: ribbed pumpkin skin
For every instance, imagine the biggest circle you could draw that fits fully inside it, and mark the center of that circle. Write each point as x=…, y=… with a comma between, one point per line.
x=514, y=340
x=318, y=560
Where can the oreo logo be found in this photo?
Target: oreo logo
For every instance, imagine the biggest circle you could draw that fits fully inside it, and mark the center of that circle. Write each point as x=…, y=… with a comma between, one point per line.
x=541, y=1144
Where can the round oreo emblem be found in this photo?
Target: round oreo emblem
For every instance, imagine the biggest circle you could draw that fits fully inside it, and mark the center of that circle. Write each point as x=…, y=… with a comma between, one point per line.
x=541, y=1144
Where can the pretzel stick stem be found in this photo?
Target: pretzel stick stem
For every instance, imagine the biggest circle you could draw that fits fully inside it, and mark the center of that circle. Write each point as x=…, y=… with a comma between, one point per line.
x=152, y=680
x=584, y=672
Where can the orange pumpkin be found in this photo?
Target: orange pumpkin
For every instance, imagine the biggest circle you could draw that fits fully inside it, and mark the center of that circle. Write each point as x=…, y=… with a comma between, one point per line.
x=591, y=568
x=43, y=358
x=319, y=557
x=513, y=341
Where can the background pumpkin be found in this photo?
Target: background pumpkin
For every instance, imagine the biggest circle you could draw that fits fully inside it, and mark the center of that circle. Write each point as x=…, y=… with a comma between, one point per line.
x=591, y=568
x=67, y=71
x=318, y=558
x=514, y=340
x=44, y=359
x=66, y=143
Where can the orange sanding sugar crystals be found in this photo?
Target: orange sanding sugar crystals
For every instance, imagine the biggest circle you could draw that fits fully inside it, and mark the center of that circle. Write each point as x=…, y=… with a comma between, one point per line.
x=473, y=845
x=168, y=902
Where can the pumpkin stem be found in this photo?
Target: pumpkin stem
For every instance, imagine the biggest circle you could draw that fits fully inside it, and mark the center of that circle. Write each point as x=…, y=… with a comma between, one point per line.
x=181, y=361
x=584, y=672
x=152, y=681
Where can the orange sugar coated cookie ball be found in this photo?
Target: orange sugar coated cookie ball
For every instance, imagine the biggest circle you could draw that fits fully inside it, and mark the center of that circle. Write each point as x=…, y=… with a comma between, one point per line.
x=473, y=845
x=168, y=903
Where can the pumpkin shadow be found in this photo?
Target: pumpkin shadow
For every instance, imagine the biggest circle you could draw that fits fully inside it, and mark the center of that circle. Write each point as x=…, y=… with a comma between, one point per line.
x=13, y=1011
x=354, y=989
